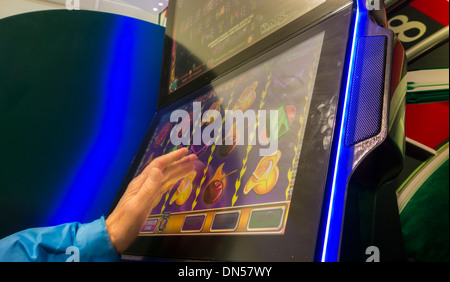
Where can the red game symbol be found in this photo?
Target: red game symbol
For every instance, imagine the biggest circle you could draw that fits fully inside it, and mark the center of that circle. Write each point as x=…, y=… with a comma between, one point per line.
x=162, y=134
x=216, y=187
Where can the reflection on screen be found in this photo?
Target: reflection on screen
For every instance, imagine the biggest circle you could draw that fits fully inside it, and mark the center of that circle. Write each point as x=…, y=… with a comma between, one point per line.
x=212, y=31
x=235, y=189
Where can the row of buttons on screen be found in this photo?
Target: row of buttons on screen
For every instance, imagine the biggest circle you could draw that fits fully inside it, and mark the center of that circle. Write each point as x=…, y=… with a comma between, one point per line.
x=260, y=220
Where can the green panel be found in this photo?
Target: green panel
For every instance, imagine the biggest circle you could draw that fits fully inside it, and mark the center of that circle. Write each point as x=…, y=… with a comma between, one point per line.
x=425, y=219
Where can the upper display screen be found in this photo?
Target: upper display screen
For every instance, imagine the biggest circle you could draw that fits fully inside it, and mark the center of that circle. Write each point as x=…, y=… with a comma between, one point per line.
x=244, y=177
x=212, y=31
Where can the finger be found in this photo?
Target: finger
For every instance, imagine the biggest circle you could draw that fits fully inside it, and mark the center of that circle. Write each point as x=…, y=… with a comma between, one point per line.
x=172, y=176
x=190, y=159
x=186, y=159
x=159, y=162
x=165, y=160
x=177, y=172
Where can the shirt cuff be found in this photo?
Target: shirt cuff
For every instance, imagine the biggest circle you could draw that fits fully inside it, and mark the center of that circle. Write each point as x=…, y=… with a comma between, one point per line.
x=94, y=242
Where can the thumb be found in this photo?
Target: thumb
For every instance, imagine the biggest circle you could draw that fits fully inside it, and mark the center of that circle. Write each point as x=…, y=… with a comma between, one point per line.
x=151, y=187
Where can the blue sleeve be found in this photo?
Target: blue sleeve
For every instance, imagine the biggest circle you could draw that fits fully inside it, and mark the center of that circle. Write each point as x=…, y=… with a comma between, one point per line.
x=72, y=241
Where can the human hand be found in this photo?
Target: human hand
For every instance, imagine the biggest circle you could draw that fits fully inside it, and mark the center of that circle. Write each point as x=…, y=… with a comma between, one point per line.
x=125, y=222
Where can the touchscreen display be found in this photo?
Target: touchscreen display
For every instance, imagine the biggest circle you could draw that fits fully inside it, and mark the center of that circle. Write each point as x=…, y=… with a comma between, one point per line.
x=212, y=31
x=247, y=131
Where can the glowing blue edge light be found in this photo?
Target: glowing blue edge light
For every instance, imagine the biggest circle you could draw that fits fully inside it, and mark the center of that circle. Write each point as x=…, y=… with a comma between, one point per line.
x=90, y=172
x=329, y=254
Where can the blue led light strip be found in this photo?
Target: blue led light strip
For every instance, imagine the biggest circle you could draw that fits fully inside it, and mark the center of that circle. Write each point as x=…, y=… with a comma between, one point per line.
x=91, y=171
x=333, y=229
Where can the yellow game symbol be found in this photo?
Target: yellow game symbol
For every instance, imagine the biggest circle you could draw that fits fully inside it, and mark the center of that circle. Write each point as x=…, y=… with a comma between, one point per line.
x=265, y=176
x=215, y=108
x=170, y=183
x=247, y=98
x=184, y=190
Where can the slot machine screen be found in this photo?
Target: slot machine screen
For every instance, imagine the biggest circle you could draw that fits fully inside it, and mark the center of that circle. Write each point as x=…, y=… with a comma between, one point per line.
x=244, y=179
